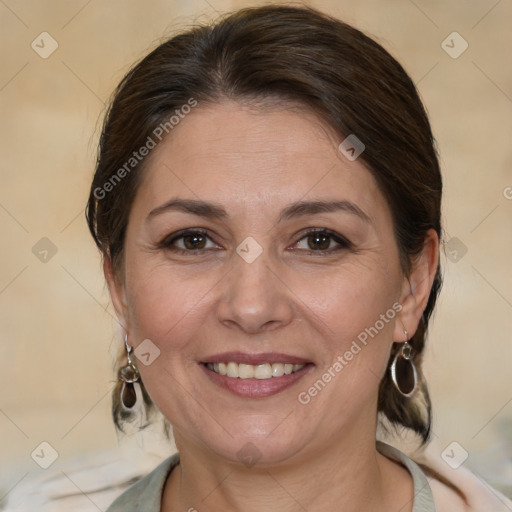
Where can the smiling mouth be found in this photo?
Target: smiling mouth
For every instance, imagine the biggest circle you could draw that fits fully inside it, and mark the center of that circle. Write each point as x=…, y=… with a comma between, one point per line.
x=248, y=371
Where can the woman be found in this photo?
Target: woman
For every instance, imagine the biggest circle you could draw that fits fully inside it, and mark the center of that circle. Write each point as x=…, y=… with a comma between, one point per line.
x=267, y=202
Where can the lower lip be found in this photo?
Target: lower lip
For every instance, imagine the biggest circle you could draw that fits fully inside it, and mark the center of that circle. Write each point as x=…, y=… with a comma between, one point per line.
x=256, y=388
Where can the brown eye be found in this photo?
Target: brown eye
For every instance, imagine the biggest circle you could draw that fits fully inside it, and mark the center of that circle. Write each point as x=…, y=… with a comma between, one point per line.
x=188, y=241
x=194, y=241
x=319, y=241
x=323, y=241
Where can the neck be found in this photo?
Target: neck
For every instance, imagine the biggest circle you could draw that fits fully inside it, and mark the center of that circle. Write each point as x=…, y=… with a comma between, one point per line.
x=350, y=475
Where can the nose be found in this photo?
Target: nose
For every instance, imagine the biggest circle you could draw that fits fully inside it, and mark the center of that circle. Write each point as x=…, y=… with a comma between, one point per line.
x=254, y=298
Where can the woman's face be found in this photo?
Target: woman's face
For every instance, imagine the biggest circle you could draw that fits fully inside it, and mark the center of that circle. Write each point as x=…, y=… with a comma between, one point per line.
x=254, y=241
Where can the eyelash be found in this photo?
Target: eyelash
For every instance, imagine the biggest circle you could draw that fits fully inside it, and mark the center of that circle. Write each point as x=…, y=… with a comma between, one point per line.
x=167, y=243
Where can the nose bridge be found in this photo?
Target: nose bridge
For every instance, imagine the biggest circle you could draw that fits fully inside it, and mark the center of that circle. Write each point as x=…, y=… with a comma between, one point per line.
x=253, y=297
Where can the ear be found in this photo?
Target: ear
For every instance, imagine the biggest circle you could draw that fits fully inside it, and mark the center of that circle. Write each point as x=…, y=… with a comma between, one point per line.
x=117, y=292
x=416, y=287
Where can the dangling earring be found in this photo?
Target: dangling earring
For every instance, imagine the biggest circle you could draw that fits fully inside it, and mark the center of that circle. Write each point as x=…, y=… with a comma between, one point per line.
x=406, y=353
x=128, y=375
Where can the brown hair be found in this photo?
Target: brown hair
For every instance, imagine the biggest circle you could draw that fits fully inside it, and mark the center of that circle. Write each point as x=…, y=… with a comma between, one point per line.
x=301, y=56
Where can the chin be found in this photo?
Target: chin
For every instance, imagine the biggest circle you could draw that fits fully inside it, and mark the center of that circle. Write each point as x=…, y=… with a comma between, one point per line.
x=260, y=441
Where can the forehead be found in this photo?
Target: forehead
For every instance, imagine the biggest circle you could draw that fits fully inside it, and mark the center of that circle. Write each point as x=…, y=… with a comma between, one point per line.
x=242, y=156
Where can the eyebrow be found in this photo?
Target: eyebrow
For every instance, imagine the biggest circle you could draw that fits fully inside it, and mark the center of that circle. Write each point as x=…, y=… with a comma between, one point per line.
x=302, y=208
x=299, y=209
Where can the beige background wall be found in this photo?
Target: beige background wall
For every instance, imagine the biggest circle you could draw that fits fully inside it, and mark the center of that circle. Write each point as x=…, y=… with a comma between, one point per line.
x=57, y=333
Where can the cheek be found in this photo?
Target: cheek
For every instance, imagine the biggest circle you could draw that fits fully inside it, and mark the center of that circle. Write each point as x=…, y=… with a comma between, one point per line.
x=340, y=302
x=350, y=299
x=357, y=310
x=165, y=307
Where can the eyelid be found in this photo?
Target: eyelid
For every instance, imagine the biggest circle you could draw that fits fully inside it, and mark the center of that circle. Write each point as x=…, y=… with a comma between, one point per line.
x=342, y=241
x=169, y=240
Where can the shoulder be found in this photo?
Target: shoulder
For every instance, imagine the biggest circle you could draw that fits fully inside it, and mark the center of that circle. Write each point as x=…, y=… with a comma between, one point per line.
x=446, y=499
x=475, y=494
x=479, y=495
x=100, y=476
x=146, y=494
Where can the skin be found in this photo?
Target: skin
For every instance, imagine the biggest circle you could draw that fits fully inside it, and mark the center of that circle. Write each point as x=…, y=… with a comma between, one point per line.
x=293, y=299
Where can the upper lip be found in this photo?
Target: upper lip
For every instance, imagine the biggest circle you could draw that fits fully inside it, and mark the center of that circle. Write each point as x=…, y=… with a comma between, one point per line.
x=254, y=359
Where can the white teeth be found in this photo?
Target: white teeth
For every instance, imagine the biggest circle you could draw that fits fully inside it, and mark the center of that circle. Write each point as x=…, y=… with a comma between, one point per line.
x=232, y=370
x=245, y=371
x=249, y=371
x=277, y=370
x=263, y=371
